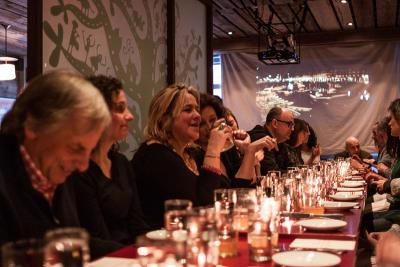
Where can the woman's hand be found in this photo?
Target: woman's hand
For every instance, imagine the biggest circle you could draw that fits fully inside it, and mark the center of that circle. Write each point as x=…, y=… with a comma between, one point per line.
x=379, y=185
x=316, y=151
x=241, y=140
x=218, y=136
x=265, y=142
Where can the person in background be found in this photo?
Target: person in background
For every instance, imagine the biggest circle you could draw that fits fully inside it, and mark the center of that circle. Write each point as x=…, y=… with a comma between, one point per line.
x=237, y=161
x=231, y=119
x=352, y=150
x=164, y=165
x=107, y=197
x=298, y=137
x=48, y=134
x=279, y=125
x=310, y=150
x=381, y=135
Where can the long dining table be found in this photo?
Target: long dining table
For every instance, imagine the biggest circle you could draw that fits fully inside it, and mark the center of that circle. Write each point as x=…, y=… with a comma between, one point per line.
x=289, y=230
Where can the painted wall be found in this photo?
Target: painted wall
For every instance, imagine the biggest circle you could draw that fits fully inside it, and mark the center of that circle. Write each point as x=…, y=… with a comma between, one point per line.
x=126, y=39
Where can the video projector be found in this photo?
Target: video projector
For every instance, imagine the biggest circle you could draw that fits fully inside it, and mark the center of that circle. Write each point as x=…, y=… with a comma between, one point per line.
x=280, y=50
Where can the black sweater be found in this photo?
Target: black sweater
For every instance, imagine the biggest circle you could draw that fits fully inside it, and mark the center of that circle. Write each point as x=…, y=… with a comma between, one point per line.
x=109, y=208
x=162, y=175
x=24, y=212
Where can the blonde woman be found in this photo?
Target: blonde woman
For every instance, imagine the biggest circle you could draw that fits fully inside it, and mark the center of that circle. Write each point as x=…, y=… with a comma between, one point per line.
x=164, y=165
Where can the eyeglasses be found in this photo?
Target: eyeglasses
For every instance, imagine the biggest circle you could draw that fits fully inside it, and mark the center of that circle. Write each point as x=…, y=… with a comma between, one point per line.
x=290, y=124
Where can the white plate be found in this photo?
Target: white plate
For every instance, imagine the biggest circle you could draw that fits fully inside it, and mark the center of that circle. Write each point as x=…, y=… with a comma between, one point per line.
x=157, y=235
x=333, y=205
x=306, y=259
x=322, y=224
x=353, y=184
x=345, y=196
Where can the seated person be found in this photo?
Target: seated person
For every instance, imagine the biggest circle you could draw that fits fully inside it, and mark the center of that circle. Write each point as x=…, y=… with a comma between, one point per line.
x=164, y=166
x=310, y=150
x=49, y=133
x=279, y=124
x=239, y=169
x=298, y=137
x=381, y=135
x=353, y=151
x=107, y=198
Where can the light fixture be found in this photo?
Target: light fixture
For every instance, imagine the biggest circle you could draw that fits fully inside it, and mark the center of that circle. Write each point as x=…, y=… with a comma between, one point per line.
x=7, y=70
x=343, y=1
x=350, y=24
x=230, y=33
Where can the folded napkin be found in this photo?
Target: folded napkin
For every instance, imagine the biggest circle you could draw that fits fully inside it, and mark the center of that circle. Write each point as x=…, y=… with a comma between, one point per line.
x=323, y=244
x=356, y=193
x=381, y=205
x=378, y=197
x=114, y=262
x=350, y=189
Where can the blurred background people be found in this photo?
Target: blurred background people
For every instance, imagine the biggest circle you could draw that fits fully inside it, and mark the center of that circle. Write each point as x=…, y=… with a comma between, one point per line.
x=310, y=150
x=107, y=197
x=298, y=137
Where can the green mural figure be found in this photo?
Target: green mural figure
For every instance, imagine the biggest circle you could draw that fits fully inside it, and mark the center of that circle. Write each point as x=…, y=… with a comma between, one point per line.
x=106, y=28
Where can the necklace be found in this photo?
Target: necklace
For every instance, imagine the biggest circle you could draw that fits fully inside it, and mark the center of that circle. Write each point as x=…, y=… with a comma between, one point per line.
x=190, y=163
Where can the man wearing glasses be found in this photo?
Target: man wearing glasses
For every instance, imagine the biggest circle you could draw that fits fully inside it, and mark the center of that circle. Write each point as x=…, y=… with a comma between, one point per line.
x=279, y=125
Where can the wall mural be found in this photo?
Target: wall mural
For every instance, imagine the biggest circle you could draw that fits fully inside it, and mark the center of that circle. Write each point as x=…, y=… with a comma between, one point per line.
x=190, y=43
x=122, y=38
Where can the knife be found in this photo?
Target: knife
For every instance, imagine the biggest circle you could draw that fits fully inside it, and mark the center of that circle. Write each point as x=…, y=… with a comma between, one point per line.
x=301, y=215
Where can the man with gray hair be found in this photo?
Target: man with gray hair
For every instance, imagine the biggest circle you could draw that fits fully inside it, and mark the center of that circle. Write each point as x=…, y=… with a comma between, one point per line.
x=49, y=133
x=279, y=124
x=352, y=149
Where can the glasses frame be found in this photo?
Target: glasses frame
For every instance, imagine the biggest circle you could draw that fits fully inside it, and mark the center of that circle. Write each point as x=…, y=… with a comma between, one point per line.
x=290, y=124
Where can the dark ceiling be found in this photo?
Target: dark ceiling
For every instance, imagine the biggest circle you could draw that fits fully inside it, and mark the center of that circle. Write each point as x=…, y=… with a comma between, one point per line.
x=310, y=20
x=244, y=18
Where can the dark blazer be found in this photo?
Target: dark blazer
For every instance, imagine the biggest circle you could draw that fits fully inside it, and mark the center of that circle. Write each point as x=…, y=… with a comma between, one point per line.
x=24, y=212
x=273, y=160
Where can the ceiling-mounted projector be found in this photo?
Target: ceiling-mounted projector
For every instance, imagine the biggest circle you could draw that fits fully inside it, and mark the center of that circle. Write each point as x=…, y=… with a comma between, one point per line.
x=279, y=49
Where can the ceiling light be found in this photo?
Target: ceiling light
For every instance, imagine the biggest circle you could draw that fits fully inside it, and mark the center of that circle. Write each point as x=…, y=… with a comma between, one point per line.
x=343, y=1
x=7, y=71
x=230, y=33
x=350, y=24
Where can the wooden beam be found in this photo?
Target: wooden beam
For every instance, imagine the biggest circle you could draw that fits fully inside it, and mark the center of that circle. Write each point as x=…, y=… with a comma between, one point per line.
x=250, y=44
x=353, y=15
x=375, y=13
x=35, y=39
x=336, y=15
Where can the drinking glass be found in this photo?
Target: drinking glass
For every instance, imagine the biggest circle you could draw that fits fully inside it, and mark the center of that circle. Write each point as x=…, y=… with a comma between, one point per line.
x=67, y=247
x=176, y=212
x=225, y=199
x=23, y=253
x=245, y=207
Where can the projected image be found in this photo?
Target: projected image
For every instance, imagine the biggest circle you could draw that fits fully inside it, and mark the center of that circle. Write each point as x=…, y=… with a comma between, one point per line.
x=300, y=93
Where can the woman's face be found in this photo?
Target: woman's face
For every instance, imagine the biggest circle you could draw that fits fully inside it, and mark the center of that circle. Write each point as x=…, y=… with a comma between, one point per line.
x=230, y=120
x=208, y=118
x=185, y=127
x=121, y=116
x=302, y=138
x=394, y=125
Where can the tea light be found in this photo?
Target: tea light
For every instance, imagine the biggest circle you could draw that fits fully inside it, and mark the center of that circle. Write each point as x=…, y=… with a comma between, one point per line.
x=228, y=245
x=259, y=242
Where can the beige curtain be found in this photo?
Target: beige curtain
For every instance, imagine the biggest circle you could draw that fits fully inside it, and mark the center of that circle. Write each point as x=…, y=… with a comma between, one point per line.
x=334, y=115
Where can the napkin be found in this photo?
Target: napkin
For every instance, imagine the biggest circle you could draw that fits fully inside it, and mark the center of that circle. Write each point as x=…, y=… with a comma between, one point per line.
x=114, y=262
x=323, y=244
x=381, y=205
x=356, y=193
x=350, y=189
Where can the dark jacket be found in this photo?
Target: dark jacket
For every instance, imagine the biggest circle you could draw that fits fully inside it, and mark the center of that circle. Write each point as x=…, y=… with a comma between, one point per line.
x=24, y=212
x=344, y=154
x=273, y=160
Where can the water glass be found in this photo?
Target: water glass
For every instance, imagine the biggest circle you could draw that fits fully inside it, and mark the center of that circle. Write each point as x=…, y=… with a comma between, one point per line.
x=67, y=247
x=225, y=199
x=23, y=253
x=178, y=204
